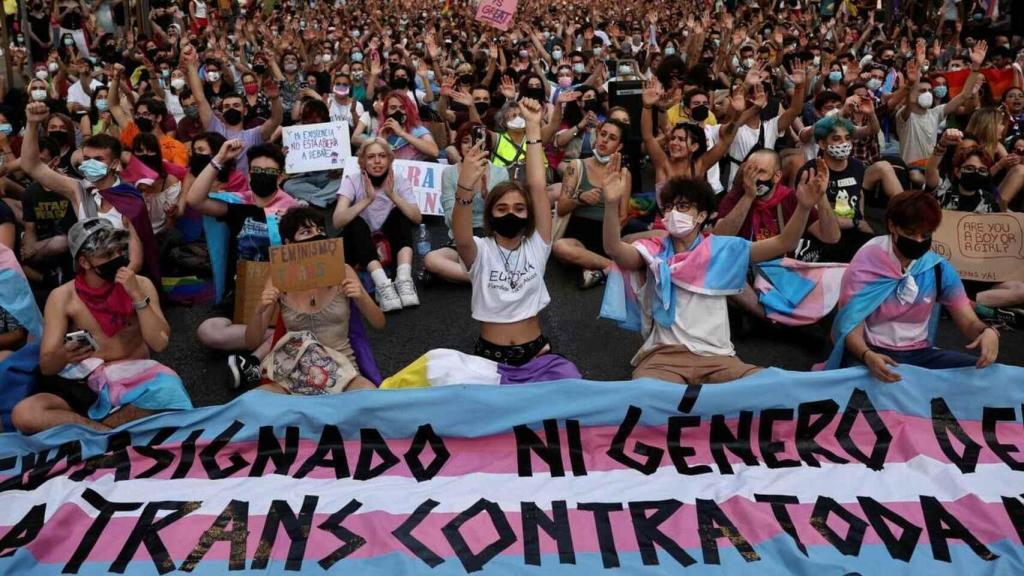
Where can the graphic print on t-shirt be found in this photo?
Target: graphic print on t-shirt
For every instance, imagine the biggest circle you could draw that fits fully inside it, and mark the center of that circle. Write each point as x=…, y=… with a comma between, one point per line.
x=516, y=271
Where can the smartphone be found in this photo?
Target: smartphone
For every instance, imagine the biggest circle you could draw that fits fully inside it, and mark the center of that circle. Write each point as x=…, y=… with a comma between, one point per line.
x=479, y=134
x=82, y=338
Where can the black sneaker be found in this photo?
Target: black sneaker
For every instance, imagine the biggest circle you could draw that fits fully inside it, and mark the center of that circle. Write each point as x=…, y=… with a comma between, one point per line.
x=245, y=371
x=592, y=278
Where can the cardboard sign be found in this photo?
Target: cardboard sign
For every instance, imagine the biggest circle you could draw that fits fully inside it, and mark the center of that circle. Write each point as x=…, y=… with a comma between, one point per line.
x=497, y=13
x=313, y=147
x=307, y=265
x=985, y=247
x=249, y=288
x=425, y=178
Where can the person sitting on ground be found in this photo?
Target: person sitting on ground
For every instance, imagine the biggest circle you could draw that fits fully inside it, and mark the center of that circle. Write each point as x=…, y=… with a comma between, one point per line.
x=506, y=266
x=685, y=321
x=324, y=312
x=890, y=297
x=48, y=217
x=445, y=262
x=149, y=117
x=378, y=200
x=250, y=220
x=98, y=330
x=581, y=201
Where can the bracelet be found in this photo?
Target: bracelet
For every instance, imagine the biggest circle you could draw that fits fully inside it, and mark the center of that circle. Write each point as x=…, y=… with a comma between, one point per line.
x=464, y=201
x=939, y=150
x=538, y=141
x=863, y=354
x=216, y=165
x=648, y=106
x=466, y=188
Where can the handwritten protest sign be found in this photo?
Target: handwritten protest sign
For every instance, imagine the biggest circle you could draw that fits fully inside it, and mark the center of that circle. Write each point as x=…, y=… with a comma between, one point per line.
x=312, y=147
x=307, y=265
x=985, y=247
x=425, y=178
x=248, y=288
x=838, y=474
x=497, y=13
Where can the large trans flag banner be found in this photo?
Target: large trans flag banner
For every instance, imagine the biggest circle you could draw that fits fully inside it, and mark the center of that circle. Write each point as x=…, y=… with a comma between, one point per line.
x=778, y=474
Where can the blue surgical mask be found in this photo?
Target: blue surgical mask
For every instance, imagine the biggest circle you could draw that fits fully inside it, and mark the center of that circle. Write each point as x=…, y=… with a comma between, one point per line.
x=669, y=51
x=357, y=56
x=835, y=76
x=101, y=104
x=93, y=170
x=6, y=129
x=579, y=68
x=556, y=55
x=940, y=91
x=874, y=84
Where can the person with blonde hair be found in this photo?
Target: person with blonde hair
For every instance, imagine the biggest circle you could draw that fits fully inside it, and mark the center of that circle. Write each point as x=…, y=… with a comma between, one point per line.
x=377, y=200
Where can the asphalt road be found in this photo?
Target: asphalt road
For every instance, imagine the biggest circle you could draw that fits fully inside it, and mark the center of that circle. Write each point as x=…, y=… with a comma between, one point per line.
x=600, y=349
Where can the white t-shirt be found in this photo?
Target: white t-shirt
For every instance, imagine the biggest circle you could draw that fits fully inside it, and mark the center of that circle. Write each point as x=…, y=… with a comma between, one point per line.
x=701, y=324
x=919, y=133
x=714, y=175
x=509, y=286
x=746, y=138
x=343, y=112
x=158, y=203
x=76, y=94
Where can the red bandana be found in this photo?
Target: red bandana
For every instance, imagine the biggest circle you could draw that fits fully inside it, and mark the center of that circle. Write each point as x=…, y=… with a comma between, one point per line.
x=110, y=305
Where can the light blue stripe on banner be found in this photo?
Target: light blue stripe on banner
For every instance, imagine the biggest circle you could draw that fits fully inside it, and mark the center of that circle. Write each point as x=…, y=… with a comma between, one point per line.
x=779, y=557
x=487, y=410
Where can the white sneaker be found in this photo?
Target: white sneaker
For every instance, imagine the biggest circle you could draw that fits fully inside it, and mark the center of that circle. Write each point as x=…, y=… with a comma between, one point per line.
x=387, y=298
x=407, y=293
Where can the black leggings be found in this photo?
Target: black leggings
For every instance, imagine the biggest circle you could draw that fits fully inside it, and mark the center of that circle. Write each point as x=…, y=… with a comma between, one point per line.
x=359, y=247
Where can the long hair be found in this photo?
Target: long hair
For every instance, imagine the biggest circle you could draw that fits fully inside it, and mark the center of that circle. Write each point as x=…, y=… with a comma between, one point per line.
x=499, y=192
x=412, y=115
x=151, y=143
x=984, y=125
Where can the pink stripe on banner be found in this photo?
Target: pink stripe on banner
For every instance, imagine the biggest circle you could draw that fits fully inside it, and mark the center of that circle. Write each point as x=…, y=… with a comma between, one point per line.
x=912, y=436
x=63, y=533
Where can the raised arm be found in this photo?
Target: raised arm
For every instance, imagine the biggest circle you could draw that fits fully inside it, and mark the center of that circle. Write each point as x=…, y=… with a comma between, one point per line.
x=796, y=105
x=122, y=117
x=977, y=58
x=272, y=90
x=616, y=185
x=471, y=176
x=191, y=60
x=36, y=113
x=651, y=96
x=535, y=172
x=950, y=137
x=199, y=191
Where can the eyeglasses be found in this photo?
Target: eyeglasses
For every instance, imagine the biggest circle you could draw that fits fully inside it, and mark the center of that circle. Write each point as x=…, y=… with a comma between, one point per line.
x=680, y=206
x=271, y=171
x=974, y=169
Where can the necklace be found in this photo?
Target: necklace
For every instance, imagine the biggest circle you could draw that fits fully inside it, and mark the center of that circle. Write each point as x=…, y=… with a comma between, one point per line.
x=510, y=268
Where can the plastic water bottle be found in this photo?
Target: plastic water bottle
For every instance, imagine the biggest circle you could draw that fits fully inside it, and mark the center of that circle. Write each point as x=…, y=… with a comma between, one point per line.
x=422, y=241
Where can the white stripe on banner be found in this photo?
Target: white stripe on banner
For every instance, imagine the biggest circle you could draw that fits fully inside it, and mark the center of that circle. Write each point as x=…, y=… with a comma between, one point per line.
x=902, y=482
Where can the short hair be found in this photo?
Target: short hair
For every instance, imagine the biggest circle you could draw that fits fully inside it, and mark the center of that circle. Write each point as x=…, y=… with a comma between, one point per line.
x=964, y=154
x=155, y=107
x=267, y=150
x=688, y=97
x=466, y=130
x=769, y=153
x=915, y=210
x=622, y=126
x=215, y=139
x=314, y=112
x=297, y=217
x=825, y=97
x=696, y=190
x=827, y=125
x=104, y=142
x=364, y=149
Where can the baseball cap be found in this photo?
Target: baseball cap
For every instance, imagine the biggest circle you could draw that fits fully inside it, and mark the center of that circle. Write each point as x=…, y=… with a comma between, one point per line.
x=82, y=230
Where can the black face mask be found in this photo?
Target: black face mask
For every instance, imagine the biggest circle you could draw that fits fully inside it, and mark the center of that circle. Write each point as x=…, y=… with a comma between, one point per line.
x=534, y=93
x=466, y=79
x=509, y=225
x=144, y=124
x=316, y=238
x=593, y=105
x=108, y=270
x=233, y=116
x=260, y=69
x=764, y=187
x=377, y=180
x=400, y=83
x=911, y=248
x=198, y=162
x=59, y=135
x=263, y=185
x=399, y=117
x=972, y=181
x=700, y=113
x=481, y=107
x=151, y=160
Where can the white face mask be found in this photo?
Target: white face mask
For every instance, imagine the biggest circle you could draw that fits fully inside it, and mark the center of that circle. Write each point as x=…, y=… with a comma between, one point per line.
x=213, y=76
x=177, y=83
x=840, y=151
x=925, y=100
x=53, y=67
x=517, y=123
x=556, y=55
x=42, y=74
x=38, y=95
x=748, y=63
x=679, y=224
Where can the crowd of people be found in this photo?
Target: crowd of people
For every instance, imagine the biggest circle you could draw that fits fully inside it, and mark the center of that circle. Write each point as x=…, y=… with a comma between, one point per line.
x=783, y=159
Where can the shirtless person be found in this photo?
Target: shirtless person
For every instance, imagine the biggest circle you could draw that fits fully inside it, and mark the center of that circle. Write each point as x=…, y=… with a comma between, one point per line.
x=120, y=312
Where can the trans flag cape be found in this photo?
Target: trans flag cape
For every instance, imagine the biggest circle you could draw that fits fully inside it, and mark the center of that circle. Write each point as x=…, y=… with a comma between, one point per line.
x=146, y=384
x=873, y=276
x=714, y=266
x=445, y=367
x=796, y=293
x=17, y=371
x=778, y=474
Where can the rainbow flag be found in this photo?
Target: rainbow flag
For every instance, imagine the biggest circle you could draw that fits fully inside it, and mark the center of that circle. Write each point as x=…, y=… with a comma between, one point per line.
x=781, y=473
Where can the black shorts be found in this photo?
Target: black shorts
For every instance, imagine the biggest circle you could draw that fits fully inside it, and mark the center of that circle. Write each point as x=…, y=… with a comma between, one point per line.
x=76, y=393
x=588, y=232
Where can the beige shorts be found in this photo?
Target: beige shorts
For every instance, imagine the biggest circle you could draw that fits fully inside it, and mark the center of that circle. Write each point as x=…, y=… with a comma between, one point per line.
x=678, y=364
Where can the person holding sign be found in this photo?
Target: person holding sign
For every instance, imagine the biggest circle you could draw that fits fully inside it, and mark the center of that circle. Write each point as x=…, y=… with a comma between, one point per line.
x=316, y=322
x=506, y=267
x=373, y=200
x=445, y=262
x=888, y=304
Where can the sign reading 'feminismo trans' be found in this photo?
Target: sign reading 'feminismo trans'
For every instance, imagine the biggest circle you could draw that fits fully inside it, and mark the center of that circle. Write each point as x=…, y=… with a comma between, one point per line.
x=782, y=473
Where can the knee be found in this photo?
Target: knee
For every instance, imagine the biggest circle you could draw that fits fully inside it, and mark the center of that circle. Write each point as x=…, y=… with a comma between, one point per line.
x=209, y=332
x=434, y=260
x=25, y=416
x=562, y=248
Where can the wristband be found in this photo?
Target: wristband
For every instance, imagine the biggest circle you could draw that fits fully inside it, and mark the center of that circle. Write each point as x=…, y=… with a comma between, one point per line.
x=538, y=141
x=141, y=304
x=465, y=201
x=216, y=165
x=648, y=106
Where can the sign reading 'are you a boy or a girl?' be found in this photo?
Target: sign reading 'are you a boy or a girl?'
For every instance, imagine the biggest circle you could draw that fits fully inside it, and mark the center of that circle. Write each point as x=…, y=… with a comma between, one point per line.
x=314, y=147
x=307, y=265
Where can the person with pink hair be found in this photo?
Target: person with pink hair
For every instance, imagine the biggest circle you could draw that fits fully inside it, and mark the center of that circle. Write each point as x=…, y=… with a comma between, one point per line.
x=400, y=125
